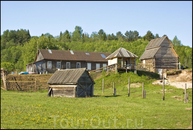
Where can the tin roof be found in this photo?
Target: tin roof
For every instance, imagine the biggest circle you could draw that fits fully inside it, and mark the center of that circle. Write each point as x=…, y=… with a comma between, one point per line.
x=67, y=76
x=73, y=55
x=121, y=52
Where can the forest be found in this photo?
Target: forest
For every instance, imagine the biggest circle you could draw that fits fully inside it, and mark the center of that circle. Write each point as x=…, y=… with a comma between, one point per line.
x=19, y=48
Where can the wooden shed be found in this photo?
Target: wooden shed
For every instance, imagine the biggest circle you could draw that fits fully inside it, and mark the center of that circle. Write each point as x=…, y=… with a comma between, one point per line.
x=160, y=53
x=71, y=83
x=123, y=58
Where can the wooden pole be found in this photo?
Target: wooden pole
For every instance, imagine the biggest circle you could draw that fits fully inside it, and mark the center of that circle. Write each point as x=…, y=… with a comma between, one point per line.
x=129, y=88
x=113, y=88
x=163, y=85
x=185, y=96
x=4, y=73
x=103, y=86
x=143, y=90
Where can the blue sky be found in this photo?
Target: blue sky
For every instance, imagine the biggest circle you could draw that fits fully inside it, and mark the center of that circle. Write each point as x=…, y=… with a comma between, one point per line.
x=173, y=18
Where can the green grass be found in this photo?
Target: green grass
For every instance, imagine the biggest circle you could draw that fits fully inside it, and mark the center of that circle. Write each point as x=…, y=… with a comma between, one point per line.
x=35, y=110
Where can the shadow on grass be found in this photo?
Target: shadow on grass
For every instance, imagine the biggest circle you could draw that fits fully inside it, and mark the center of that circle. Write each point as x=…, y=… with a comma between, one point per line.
x=106, y=96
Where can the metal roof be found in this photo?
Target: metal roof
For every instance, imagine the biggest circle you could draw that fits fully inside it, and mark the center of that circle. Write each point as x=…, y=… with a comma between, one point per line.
x=121, y=52
x=67, y=76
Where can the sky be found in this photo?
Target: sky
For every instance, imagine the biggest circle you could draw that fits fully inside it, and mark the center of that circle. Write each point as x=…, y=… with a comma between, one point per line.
x=172, y=18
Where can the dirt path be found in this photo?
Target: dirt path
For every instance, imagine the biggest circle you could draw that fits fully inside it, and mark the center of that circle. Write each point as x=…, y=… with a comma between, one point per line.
x=179, y=80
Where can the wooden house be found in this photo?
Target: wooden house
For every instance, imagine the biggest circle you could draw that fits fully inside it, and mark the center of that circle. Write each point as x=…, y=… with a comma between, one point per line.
x=48, y=61
x=160, y=53
x=123, y=58
x=71, y=83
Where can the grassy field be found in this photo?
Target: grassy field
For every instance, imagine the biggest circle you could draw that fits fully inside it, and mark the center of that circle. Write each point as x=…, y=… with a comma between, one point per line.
x=36, y=110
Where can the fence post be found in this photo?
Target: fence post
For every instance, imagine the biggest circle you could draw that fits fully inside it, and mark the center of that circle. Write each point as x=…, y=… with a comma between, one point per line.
x=114, y=89
x=103, y=86
x=129, y=88
x=163, y=85
x=143, y=90
x=185, y=96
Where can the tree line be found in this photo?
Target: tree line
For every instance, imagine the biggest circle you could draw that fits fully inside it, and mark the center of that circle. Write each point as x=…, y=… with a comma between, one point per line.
x=19, y=48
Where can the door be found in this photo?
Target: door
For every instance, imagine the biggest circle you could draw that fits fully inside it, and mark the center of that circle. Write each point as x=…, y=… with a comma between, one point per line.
x=143, y=63
x=160, y=72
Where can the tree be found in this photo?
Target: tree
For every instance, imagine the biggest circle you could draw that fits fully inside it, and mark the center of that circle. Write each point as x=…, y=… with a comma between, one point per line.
x=77, y=34
x=104, y=37
x=100, y=33
x=7, y=65
x=149, y=36
x=136, y=35
x=156, y=36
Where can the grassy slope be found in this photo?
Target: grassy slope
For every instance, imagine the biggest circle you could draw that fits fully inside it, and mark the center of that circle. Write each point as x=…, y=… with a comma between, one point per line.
x=36, y=110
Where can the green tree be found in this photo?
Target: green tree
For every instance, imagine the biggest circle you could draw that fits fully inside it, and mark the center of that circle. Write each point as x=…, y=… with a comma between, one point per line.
x=149, y=36
x=77, y=34
x=7, y=65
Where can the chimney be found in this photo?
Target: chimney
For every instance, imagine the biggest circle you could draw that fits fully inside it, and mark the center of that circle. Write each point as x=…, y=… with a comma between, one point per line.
x=46, y=48
x=68, y=49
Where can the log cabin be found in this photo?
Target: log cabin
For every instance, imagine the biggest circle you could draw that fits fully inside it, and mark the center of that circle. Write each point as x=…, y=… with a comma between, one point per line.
x=48, y=61
x=71, y=83
x=160, y=53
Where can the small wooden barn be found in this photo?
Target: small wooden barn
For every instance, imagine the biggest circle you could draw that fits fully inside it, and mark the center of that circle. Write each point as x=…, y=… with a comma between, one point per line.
x=160, y=53
x=123, y=58
x=71, y=83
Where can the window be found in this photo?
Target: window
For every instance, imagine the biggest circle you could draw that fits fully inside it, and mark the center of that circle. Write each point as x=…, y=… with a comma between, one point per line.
x=104, y=66
x=49, y=51
x=67, y=65
x=49, y=64
x=87, y=53
x=88, y=66
x=78, y=65
x=103, y=55
x=58, y=65
x=71, y=52
x=97, y=65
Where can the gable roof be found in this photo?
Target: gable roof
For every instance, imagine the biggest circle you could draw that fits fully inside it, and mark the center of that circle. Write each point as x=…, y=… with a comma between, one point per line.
x=153, y=46
x=149, y=53
x=67, y=76
x=121, y=52
x=76, y=56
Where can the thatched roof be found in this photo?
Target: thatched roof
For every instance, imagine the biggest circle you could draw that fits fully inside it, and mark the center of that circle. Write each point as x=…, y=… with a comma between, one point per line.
x=73, y=55
x=67, y=76
x=121, y=52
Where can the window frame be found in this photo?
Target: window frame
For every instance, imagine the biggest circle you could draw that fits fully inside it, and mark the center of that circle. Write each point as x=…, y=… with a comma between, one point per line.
x=69, y=65
x=57, y=64
x=79, y=64
x=49, y=64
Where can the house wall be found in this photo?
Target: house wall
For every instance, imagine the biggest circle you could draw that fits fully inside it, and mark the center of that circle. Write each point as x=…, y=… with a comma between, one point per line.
x=63, y=91
x=85, y=83
x=39, y=57
x=40, y=67
x=72, y=65
x=165, y=58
